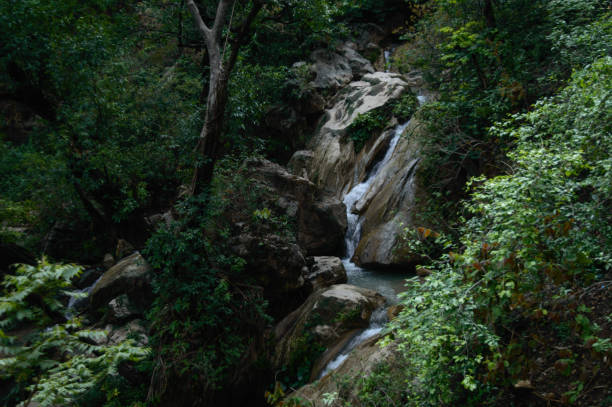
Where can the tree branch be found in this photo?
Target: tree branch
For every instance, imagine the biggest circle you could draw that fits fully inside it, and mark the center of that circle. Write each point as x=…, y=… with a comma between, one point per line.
x=242, y=34
x=220, y=17
x=199, y=22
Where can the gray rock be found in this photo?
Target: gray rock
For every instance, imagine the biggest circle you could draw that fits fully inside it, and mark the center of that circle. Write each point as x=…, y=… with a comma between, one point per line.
x=273, y=262
x=131, y=276
x=300, y=162
x=322, y=227
x=122, y=309
x=359, y=65
x=132, y=330
x=321, y=222
x=332, y=70
x=325, y=271
x=329, y=316
x=334, y=157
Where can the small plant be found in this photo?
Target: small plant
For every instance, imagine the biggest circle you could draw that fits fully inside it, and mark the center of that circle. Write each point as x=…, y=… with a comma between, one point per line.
x=366, y=125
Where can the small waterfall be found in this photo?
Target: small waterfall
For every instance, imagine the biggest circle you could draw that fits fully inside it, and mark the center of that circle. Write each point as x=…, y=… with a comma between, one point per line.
x=353, y=233
x=387, y=55
x=377, y=323
x=75, y=301
x=356, y=275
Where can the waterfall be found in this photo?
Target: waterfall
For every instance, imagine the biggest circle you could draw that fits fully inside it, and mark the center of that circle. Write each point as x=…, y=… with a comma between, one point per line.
x=377, y=322
x=353, y=232
x=81, y=295
x=387, y=55
x=355, y=274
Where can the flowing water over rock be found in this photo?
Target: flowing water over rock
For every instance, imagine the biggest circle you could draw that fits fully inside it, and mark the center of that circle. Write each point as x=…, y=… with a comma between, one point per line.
x=386, y=283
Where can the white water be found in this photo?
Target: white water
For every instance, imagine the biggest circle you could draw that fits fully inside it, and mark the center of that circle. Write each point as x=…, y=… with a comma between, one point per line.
x=377, y=322
x=80, y=294
x=387, y=284
x=387, y=54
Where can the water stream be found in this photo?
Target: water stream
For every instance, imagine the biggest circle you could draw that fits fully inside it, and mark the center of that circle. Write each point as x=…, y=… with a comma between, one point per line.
x=386, y=283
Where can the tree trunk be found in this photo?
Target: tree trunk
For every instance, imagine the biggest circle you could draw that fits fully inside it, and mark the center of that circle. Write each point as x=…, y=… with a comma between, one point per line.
x=207, y=148
x=489, y=14
x=221, y=66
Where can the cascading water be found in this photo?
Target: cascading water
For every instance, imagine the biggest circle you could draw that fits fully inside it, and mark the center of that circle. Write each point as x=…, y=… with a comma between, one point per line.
x=384, y=283
x=387, y=55
x=79, y=298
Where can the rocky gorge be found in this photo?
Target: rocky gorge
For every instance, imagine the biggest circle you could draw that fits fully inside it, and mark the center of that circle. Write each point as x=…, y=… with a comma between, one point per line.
x=347, y=206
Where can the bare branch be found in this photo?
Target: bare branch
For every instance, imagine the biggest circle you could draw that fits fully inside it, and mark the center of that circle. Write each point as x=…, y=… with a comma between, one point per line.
x=220, y=17
x=243, y=33
x=200, y=24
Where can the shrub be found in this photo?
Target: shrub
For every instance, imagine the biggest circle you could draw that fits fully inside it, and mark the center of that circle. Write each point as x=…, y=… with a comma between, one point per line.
x=54, y=362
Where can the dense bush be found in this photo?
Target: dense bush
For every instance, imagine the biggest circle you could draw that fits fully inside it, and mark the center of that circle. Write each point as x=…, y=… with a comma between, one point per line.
x=485, y=65
x=539, y=238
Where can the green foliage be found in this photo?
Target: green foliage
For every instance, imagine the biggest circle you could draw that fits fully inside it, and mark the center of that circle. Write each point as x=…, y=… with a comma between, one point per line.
x=535, y=236
x=485, y=66
x=207, y=311
x=55, y=362
x=374, y=121
x=366, y=125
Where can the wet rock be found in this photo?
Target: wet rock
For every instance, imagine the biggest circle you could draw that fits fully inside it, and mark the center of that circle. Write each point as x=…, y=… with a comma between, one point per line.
x=345, y=380
x=123, y=309
x=131, y=276
x=327, y=317
x=325, y=271
x=389, y=206
x=108, y=261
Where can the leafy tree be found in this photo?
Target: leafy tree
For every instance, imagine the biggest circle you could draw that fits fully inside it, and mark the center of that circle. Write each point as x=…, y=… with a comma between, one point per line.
x=540, y=237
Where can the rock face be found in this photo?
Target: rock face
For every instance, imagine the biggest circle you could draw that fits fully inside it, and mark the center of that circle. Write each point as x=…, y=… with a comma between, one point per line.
x=277, y=266
x=346, y=379
x=328, y=317
x=313, y=83
x=130, y=276
x=334, y=158
x=321, y=222
x=336, y=68
x=332, y=164
x=325, y=271
x=389, y=205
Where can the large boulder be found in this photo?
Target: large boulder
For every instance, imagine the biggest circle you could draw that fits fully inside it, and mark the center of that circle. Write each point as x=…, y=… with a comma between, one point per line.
x=335, y=68
x=325, y=271
x=322, y=227
x=320, y=221
x=328, y=317
x=276, y=265
x=130, y=276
